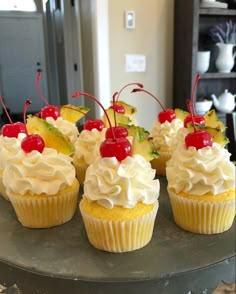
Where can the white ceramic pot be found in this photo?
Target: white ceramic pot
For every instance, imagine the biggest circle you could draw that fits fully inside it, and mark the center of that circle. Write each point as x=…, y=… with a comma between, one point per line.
x=225, y=58
x=203, y=61
x=201, y=107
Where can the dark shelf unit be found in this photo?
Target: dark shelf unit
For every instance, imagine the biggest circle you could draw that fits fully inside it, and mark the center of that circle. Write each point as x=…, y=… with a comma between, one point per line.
x=217, y=11
x=191, y=34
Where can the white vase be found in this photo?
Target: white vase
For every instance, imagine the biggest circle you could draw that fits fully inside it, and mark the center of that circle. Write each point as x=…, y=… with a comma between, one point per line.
x=203, y=61
x=225, y=58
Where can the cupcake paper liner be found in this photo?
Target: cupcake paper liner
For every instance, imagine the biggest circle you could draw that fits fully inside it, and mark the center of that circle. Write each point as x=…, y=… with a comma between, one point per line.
x=39, y=211
x=120, y=235
x=203, y=217
x=159, y=164
x=80, y=168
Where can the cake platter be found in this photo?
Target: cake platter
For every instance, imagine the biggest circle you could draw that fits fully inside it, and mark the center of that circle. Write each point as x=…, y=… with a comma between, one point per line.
x=61, y=259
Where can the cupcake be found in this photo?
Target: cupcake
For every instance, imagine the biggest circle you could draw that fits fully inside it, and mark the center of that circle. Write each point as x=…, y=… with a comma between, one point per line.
x=164, y=137
x=201, y=187
x=42, y=187
x=120, y=203
x=9, y=146
x=120, y=199
x=163, y=133
x=87, y=150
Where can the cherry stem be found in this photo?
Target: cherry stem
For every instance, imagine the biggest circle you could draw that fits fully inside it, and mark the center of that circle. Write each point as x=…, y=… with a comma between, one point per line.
x=191, y=113
x=130, y=84
x=114, y=102
x=38, y=90
x=76, y=94
x=145, y=91
x=193, y=93
x=5, y=109
x=27, y=103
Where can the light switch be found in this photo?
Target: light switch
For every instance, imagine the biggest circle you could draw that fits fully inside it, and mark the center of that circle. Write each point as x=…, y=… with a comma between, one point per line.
x=130, y=19
x=135, y=63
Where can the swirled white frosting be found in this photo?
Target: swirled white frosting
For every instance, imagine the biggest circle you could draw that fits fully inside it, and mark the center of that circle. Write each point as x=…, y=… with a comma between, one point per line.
x=197, y=172
x=36, y=173
x=181, y=134
x=88, y=144
x=67, y=128
x=8, y=148
x=165, y=135
x=110, y=182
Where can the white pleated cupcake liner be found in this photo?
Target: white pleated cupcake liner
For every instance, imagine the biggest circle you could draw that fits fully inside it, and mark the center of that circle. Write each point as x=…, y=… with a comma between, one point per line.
x=45, y=212
x=159, y=164
x=120, y=235
x=203, y=217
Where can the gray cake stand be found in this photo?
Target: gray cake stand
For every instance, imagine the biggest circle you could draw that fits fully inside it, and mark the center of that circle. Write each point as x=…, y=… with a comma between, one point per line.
x=61, y=260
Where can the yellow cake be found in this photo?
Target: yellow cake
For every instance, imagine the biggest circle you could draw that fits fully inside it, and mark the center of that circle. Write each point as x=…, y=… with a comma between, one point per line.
x=201, y=187
x=42, y=187
x=120, y=203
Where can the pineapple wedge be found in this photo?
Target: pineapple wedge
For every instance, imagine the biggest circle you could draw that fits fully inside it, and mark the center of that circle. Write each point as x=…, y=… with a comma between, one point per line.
x=217, y=135
x=132, y=129
x=52, y=137
x=121, y=119
x=181, y=114
x=73, y=113
x=142, y=145
x=212, y=120
x=129, y=109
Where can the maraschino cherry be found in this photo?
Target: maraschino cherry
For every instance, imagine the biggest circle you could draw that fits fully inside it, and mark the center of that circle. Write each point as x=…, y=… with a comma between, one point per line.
x=198, y=138
x=11, y=130
x=118, y=107
x=33, y=141
x=48, y=110
x=94, y=124
x=166, y=114
x=118, y=131
x=91, y=124
x=197, y=118
x=118, y=147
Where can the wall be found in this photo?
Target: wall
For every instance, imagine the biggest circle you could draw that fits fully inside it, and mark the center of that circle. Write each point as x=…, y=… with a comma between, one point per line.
x=153, y=37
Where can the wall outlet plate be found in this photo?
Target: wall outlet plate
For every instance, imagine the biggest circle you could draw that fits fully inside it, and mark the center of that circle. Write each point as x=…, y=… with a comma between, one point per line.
x=135, y=63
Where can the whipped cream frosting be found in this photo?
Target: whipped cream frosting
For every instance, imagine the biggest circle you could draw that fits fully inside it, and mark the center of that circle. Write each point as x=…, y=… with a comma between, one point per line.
x=197, y=172
x=110, y=182
x=67, y=128
x=37, y=173
x=88, y=144
x=165, y=135
x=9, y=147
